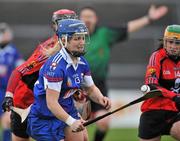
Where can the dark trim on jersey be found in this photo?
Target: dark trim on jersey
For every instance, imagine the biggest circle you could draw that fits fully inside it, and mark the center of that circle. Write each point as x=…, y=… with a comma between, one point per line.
x=30, y=79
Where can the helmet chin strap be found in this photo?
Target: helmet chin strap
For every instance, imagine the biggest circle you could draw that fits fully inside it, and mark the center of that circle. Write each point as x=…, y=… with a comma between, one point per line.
x=76, y=53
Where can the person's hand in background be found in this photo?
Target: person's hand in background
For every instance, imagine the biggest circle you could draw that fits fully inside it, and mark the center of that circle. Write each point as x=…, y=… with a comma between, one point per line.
x=156, y=13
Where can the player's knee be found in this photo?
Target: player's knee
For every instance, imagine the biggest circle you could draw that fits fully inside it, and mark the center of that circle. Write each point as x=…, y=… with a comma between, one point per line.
x=104, y=121
x=175, y=130
x=103, y=124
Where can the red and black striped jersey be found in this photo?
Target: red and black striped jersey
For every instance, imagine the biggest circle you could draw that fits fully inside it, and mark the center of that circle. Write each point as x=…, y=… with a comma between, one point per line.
x=164, y=72
x=22, y=79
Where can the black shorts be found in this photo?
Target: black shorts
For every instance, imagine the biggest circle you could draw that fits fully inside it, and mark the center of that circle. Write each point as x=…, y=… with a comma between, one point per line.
x=18, y=128
x=101, y=84
x=156, y=123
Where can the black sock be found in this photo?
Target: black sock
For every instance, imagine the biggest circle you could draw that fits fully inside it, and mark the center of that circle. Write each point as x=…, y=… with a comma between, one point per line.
x=99, y=135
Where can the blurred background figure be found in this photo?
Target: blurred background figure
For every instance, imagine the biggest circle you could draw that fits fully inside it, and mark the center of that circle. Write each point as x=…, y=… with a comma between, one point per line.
x=98, y=52
x=9, y=59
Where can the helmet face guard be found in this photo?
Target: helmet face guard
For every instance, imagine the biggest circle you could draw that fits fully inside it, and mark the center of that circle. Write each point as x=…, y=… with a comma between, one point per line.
x=69, y=28
x=172, y=40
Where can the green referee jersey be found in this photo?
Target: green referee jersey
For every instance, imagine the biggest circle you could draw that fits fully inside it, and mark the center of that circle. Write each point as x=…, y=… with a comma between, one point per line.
x=98, y=50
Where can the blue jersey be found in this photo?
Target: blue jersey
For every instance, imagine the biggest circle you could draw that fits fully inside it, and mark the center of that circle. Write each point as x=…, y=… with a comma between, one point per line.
x=60, y=74
x=9, y=59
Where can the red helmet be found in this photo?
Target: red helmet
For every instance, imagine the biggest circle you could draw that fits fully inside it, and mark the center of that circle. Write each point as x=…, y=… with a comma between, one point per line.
x=63, y=14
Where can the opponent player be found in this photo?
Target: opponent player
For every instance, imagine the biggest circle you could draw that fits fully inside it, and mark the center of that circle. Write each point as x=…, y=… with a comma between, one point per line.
x=160, y=115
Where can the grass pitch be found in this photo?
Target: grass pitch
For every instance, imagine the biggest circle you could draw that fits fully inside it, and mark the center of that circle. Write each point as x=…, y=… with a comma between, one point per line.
x=122, y=134
x=118, y=134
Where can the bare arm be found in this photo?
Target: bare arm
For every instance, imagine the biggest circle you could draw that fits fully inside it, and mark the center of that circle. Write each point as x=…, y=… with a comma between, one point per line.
x=95, y=95
x=153, y=15
x=52, y=97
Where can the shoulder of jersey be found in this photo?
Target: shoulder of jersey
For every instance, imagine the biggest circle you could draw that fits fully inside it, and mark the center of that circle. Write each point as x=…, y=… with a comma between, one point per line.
x=56, y=61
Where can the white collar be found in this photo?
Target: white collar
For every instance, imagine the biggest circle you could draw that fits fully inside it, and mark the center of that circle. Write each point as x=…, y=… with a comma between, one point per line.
x=68, y=59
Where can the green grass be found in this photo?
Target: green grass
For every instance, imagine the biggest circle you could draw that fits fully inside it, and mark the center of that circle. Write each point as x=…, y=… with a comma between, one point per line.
x=122, y=134
x=119, y=134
